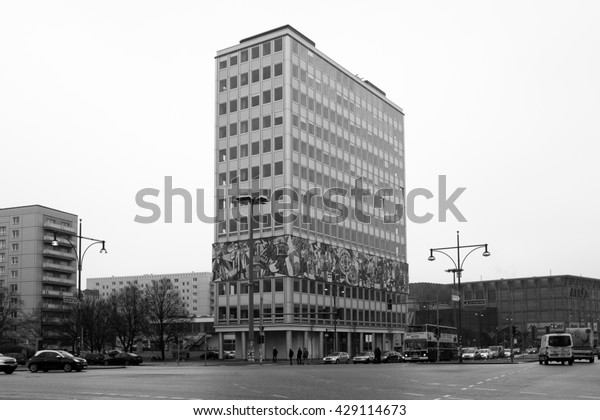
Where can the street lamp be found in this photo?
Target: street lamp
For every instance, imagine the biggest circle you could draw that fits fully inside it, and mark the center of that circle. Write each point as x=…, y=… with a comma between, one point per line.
x=251, y=200
x=334, y=313
x=79, y=256
x=458, y=269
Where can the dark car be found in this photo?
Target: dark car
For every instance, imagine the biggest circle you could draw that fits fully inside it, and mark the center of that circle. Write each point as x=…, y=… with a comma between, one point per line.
x=20, y=357
x=95, y=358
x=125, y=359
x=392, y=357
x=46, y=360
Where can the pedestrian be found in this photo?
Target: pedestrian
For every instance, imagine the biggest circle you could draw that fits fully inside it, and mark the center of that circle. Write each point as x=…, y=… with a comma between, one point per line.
x=274, y=355
x=377, y=355
x=305, y=356
x=291, y=354
x=299, y=356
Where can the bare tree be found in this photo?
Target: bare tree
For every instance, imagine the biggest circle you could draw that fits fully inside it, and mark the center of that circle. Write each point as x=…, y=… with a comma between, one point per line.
x=128, y=316
x=166, y=313
x=10, y=305
x=96, y=323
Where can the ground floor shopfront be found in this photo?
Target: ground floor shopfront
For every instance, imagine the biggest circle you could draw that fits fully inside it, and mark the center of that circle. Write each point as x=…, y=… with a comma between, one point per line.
x=318, y=341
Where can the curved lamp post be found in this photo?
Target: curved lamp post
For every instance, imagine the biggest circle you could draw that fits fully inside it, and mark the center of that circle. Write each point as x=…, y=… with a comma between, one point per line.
x=80, y=254
x=458, y=269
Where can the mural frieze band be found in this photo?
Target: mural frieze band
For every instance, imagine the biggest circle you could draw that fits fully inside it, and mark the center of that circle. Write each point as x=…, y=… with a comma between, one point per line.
x=296, y=257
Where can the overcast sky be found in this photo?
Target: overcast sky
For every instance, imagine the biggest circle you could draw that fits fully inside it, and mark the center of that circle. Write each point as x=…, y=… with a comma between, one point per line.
x=99, y=100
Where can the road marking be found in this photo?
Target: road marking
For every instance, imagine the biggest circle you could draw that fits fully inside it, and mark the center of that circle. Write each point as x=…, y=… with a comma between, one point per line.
x=585, y=396
x=485, y=389
x=280, y=396
x=416, y=395
x=533, y=393
x=433, y=383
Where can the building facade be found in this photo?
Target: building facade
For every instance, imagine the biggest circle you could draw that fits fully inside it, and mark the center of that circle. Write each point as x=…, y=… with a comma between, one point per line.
x=44, y=276
x=194, y=288
x=533, y=305
x=324, y=149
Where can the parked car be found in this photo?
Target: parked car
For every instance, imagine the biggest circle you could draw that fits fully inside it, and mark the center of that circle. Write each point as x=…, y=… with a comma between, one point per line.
x=124, y=359
x=46, y=360
x=364, y=357
x=7, y=364
x=471, y=353
x=337, y=357
x=229, y=354
x=95, y=358
x=20, y=358
x=392, y=357
x=531, y=350
x=485, y=354
x=209, y=355
x=84, y=362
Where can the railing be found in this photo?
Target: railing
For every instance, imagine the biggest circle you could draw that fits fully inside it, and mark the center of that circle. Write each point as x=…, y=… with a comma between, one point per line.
x=59, y=267
x=58, y=280
x=61, y=254
x=62, y=228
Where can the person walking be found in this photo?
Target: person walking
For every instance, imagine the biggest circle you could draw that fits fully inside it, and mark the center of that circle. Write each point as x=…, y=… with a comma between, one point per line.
x=299, y=356
x=291, y=354
x=274, y=355
x=377, y=355
x=305, y=356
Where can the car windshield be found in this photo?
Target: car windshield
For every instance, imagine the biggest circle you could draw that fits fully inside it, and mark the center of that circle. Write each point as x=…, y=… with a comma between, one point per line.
x=469, y=350
x=364, y=353
x=64, y=353
x=559, y=340
x=334, y=354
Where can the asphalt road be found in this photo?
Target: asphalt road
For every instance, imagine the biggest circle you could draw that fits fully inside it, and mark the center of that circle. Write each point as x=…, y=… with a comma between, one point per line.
x=240, y=381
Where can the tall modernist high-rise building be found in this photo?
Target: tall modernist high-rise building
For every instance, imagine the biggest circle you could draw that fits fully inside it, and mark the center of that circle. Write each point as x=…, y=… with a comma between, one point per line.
x=325, y=150
x=41, y=275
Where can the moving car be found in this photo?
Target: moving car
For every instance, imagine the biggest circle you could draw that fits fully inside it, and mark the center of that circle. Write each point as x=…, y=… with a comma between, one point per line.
x=46, y=360
x=337, y=357
x=471, y=353
x=364, y=357
x=392, y=357
x=485, y=354
x=125, y=359
x=7, y=364
x=556, y=348
x=497, y=351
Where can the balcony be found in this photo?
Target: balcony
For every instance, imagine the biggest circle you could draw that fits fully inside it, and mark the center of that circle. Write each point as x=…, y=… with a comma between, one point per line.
x=60, y=228
x=53, y=321
x=59, y=267
x=55, y=307
x=58, y=280
x=61, y=241
x=55, y=294
x=51, y=252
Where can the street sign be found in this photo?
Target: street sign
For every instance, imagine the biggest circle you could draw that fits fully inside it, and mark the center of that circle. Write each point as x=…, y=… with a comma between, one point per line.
x=474, y=302
x=455, y=296
x=70, y=299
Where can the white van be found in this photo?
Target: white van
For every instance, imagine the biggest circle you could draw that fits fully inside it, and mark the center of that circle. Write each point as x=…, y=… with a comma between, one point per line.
x=556, y=348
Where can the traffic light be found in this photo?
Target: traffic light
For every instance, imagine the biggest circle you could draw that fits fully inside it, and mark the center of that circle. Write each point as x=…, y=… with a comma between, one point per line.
x=514, y=331
x=261, y=339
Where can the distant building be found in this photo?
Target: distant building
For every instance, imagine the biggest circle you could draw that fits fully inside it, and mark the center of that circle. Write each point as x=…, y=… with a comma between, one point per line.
x=533, y=305
x=42, y=274
x=194, y=288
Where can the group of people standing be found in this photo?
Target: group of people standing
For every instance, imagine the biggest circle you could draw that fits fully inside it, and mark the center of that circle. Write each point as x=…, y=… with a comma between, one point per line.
x=301, y=356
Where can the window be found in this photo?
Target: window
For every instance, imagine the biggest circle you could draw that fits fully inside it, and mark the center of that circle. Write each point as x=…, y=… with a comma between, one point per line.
x=2, y=244
x=15, y=233
x=2, y=231
x=244, y=79
x=278, y=143
x=233, y=82
x=255, y=123
x=243, y=174
x=243, y=150
x=255, y=148
x=233, y=60
x=278, y=93
x=233, y=129
x=278, y=70
x=267, y=48
x=222, y=85
x=255, y=75
x=233, y=152
x=16, y=220
x=243, y=127
x=14, y=260
x=222, y=155
x=222, y=132
x=14, y=274
x=223, y=179
x=266, y=170
x=266, y=72
x=255, y=172
x=223, y=108
x=14, y=247
x=255, y=52
x=278, y=119
x=266, y=145
x=223, y=64
x=244, y=56
x=266, y=96
x=278, y=45
x=266, y=121
x=244, y=102
x=256, y=100
x=278, y=168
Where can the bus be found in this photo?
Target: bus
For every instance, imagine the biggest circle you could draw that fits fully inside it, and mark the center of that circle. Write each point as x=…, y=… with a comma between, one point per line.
x=421, y=344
